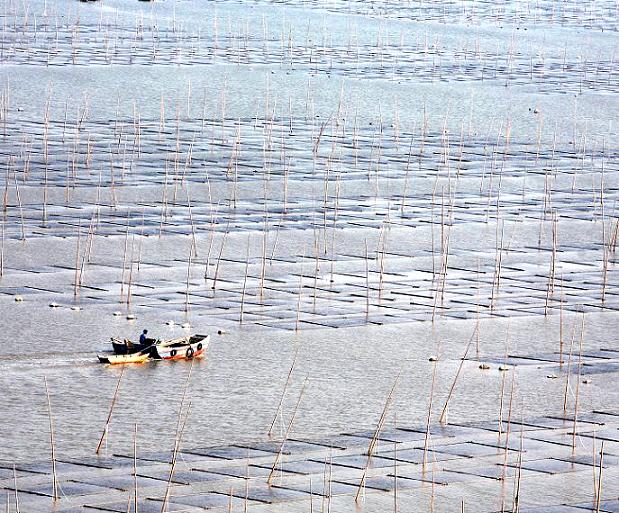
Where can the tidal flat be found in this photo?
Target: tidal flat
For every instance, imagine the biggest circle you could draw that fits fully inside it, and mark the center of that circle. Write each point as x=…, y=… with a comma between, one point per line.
x=396, y=219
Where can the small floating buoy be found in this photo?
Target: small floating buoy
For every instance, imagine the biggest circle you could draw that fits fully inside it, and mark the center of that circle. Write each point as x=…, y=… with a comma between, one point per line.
x=186, y=325
x=18, y=299
x=433, y=358
x=76, y=308
x=117, y=314
x=503, y=367
x=170, y=323
x=552, y=376
x=484, y=366
x=130, y=317
x=54, y=305
x=586, y=381
x=221, y=332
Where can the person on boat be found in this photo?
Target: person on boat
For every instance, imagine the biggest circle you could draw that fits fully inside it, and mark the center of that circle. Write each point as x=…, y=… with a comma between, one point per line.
x=143, y=338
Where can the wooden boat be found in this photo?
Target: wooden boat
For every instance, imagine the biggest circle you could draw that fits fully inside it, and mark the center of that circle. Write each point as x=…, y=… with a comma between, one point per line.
x=126, y=346
x=182, y=348
x=115, y=359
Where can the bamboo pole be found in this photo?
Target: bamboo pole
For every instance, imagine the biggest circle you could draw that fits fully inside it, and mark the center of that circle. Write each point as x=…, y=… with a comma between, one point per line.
x=582, y=333
x=567, y=375
x=427, y=435
x=194, y=244
x=55, y=495
x=281, y=400
x=221, y=250
x=374, y=440
x=516, y=501
x=242, y=307
x=509, y=423
x=367, y=283
x=329, y=481
x=180, y=429
x=501, y=400
x=395, y=466
x=288, y=429
x=188, y=279
x=561, y=324
x=109, y=415
x=598, y=496
x=593, y=465
x=2, y=249
x=229, y=510
x=453, y=385
x=130, y=280
x=298, y=316
x=20, y=207
x=15, y=487
x=135, y=467
x=174, y=458
x=122, y=278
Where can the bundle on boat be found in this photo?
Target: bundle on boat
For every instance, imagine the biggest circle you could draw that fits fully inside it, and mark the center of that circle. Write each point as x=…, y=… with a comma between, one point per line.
x=126, y=351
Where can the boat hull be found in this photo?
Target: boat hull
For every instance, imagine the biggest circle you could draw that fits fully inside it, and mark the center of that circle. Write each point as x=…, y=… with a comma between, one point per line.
x=183, y=349
x=118, y=359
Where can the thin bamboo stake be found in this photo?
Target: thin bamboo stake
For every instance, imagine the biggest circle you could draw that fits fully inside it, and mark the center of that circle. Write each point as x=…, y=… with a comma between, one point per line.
x=453, y=385
x=180, y=429
x=582, y=333
x=427, y=435
x=561, y=324
x=109, y=415
x=509, y=423
x=501, y=400
x=55, y=495
x=230, y=500
x=569, y=366
x=242, y=307
x=20, y=207
x=15, y=487
x=2, y=250
x=395, y=467
x=188, y=279
x=593, y=467
x=383, y=416
x=516, y=501
x=130, y=281
x=367, y=282
x=174, y=459
x=298, y=318
x=598, y=496
x=324, y=485
x=77, y=260
x=374, y=440
x=122, y=279
x=281, y=400
x=221, y=250
x=330, y=480
x=135, y=467
x=288, y=429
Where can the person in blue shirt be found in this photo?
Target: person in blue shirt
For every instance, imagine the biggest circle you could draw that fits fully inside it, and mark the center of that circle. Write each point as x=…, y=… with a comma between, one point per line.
x=144, y=338
x=148, y=344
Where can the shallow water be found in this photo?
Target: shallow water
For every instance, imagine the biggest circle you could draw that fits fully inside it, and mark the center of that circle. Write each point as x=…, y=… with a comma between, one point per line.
x=316, y=160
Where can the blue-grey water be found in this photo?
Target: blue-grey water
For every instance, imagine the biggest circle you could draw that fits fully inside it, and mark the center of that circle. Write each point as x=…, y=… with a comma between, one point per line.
x=273, y=140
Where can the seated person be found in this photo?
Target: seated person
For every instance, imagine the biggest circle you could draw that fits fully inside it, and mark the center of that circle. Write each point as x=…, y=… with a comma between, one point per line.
x=145, y=340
